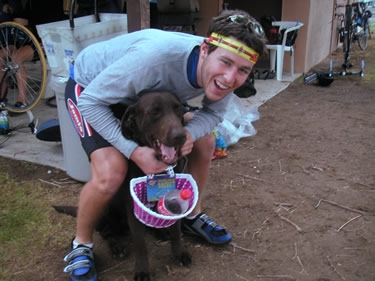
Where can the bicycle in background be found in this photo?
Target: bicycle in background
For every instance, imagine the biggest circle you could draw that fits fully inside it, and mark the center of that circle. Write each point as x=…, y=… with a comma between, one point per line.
x=19, y=78
x=361, y=17
x=348, y=33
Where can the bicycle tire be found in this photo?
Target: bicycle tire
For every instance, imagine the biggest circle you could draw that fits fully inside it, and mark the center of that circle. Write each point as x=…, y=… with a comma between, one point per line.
x=13, y=36
x=348, y=37
x=369, y=32
x=363, y=40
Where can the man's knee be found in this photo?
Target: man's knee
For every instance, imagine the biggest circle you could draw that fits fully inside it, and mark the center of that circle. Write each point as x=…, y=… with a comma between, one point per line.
x=206, y=142
x=108, y=182
x=108, y=174
x=205, y=146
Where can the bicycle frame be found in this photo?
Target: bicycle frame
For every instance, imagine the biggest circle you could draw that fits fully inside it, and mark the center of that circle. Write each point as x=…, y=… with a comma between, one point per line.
x=348, y=36
x=10, y=69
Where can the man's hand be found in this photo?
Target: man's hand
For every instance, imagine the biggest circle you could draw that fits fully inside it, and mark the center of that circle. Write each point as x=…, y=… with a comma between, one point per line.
x=145, y=158
x=188, y=145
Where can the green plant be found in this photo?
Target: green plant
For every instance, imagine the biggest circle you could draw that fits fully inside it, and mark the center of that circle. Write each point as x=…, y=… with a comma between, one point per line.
x=25, y=224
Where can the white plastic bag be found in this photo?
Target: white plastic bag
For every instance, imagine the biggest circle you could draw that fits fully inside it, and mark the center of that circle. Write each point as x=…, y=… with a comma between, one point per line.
x=237, y=121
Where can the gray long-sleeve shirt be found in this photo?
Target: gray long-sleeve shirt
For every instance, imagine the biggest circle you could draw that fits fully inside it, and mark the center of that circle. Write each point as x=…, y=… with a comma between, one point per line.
x=146, y=60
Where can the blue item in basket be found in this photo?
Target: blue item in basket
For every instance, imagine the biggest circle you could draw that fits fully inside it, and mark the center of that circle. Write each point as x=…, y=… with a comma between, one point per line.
x=159, y=185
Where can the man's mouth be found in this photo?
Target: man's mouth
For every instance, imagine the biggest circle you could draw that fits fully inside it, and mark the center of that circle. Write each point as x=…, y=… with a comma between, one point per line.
x=221, y=86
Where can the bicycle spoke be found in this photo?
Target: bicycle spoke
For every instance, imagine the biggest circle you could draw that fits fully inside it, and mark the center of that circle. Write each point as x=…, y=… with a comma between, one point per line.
x=23, y=82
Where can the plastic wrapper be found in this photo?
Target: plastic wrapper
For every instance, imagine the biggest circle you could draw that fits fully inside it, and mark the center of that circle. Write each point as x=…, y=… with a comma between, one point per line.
x=237, y=121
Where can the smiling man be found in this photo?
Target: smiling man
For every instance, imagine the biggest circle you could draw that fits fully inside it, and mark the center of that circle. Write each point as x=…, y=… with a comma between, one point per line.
x=120, y=69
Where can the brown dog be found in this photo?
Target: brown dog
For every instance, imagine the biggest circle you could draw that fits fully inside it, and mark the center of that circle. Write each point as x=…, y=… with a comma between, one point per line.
x=155, y=120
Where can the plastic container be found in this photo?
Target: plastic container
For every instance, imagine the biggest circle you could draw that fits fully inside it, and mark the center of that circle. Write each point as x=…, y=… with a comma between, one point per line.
x=62, y=43
x=175, y=202
x=150, y=218
x=4, y=122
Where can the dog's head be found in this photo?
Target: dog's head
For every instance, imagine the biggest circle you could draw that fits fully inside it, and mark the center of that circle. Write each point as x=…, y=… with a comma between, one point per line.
x=156, y=120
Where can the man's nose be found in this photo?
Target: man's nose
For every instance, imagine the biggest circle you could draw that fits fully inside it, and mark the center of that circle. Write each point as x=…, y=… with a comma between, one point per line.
x=230, y=75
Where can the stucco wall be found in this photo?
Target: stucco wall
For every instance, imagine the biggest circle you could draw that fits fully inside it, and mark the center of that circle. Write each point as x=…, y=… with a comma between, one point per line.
x=319, y=32
x=314, y=39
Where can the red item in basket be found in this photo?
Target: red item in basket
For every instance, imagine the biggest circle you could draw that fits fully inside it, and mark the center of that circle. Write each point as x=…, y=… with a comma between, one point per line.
x=175, y=202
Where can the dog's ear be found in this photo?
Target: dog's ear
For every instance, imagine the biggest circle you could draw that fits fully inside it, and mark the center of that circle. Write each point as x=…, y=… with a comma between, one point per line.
x=129, y=128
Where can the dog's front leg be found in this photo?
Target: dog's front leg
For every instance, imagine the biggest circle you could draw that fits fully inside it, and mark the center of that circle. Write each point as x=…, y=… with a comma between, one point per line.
x=137, y=230
x=142, y=264
x=178, y=247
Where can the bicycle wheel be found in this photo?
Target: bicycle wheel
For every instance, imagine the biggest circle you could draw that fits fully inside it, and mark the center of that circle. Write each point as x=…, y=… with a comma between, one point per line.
x=363, y=39
x=368, y=32
x=23, y=68
x=364, y=35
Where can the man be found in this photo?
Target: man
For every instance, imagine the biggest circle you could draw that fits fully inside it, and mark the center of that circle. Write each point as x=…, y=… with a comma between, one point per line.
x=155, y=60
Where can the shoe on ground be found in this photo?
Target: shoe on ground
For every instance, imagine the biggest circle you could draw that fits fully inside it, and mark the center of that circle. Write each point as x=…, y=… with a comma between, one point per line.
x=20, y=105
x=202, y=226
x=81, y=264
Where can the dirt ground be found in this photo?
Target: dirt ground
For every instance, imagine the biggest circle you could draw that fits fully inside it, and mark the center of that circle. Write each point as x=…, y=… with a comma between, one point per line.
x=298, y=197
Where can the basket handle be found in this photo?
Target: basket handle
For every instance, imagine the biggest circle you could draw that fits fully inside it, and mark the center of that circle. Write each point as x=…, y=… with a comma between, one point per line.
x=71, y=13
x=169, y=170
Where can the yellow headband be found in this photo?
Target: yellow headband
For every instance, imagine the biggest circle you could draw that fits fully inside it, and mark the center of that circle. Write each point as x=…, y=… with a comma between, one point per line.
x=233, y=46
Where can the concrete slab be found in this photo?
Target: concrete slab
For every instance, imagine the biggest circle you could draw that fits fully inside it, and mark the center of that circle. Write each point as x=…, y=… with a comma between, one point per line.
x=23, y=145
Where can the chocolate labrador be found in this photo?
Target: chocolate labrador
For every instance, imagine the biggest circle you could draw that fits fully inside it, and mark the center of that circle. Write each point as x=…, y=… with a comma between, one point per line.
x=155, y=120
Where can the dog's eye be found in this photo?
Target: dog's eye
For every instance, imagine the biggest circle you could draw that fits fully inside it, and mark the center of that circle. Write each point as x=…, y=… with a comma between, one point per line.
x=155, y=112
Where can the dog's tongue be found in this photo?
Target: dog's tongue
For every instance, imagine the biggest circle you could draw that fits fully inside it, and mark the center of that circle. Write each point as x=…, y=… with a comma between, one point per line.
x=168, y=153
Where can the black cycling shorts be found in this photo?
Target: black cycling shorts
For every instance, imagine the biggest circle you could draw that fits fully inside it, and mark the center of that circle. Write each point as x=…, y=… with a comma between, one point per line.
x=90, y=139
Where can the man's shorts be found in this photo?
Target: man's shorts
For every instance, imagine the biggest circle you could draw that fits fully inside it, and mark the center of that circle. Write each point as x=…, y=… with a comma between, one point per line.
x=90, y=139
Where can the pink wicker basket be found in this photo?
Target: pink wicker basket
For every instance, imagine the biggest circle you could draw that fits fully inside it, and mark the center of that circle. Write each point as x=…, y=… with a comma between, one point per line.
x=149, y=217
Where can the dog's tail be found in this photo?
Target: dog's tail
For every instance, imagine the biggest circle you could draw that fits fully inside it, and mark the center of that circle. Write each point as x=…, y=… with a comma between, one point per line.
x=67, y=210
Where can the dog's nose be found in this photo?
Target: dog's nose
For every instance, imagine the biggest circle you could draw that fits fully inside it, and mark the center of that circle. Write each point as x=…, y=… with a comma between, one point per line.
x=176, y=137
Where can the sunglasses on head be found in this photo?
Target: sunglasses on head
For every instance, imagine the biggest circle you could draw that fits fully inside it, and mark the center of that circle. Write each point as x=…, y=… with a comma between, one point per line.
x=251, y=25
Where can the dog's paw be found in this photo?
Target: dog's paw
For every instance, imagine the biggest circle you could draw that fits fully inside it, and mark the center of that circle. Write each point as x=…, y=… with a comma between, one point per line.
x=142, y=276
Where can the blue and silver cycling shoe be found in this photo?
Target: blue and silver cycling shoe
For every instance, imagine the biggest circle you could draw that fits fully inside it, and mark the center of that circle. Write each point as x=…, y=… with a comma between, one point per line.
x=202, y=226
x=81, y=264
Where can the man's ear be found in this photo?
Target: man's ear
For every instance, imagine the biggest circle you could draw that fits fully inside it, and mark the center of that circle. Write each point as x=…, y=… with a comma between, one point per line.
x=203, y=49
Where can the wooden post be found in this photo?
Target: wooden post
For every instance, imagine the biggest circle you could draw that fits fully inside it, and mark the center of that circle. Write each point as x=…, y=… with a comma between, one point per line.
x=138, y=12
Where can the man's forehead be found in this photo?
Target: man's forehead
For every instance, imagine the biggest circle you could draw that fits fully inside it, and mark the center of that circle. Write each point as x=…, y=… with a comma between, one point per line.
x=234, y=58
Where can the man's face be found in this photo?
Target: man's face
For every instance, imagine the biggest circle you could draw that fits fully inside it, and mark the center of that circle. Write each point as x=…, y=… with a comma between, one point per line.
x=221, y=72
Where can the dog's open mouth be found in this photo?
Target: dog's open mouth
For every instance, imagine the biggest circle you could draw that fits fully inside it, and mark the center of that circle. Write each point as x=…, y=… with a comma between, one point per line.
x=168, y=154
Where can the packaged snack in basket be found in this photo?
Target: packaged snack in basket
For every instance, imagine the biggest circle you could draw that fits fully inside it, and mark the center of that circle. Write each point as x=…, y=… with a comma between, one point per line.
x=159, y=185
